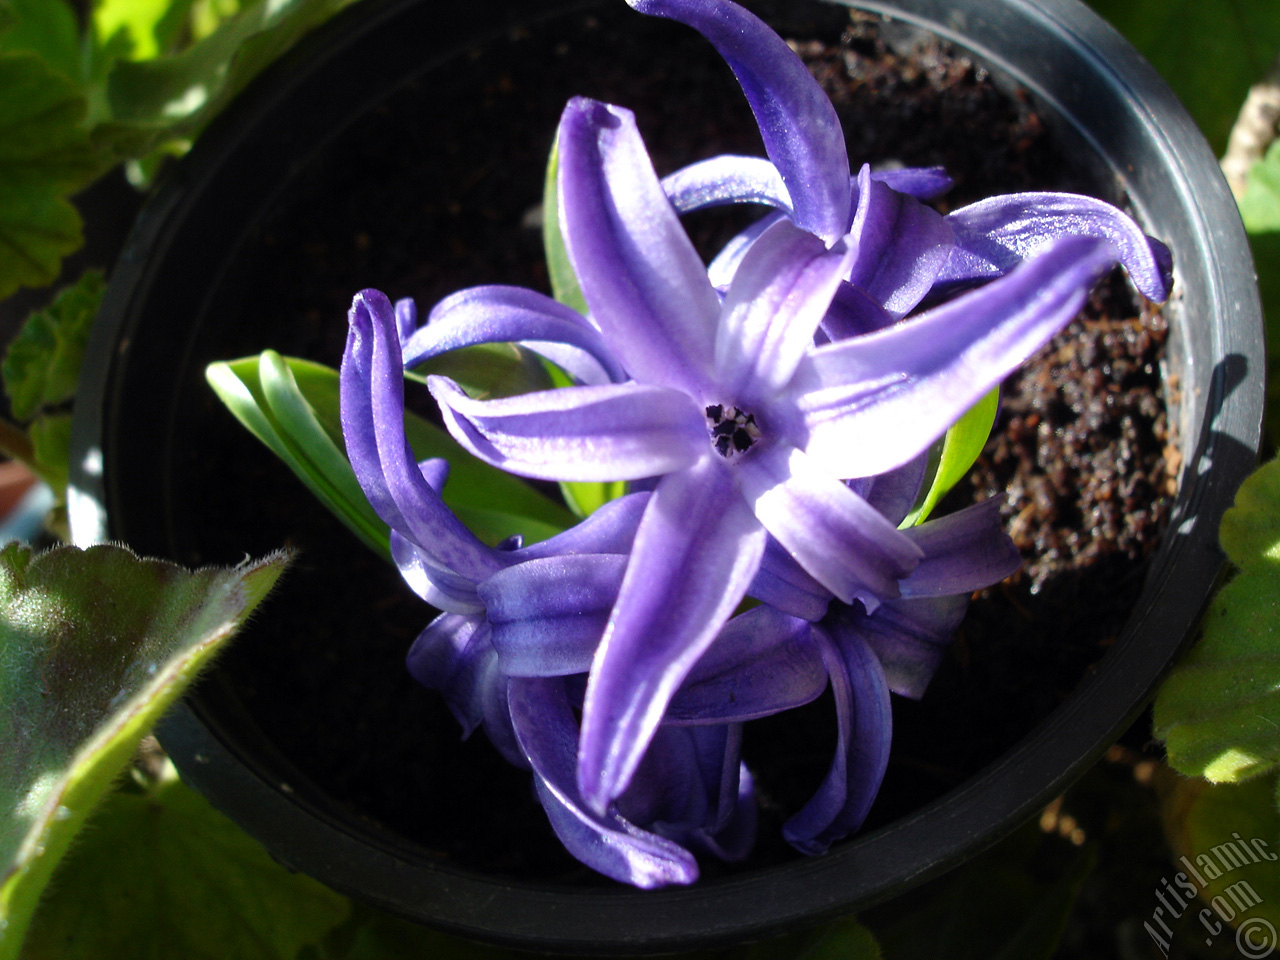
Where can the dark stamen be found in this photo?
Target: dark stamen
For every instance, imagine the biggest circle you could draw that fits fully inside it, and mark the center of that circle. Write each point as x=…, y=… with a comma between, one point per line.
x=733, y=431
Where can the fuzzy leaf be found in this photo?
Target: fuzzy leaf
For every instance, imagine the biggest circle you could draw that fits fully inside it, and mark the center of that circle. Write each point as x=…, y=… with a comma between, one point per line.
x=1209, y=51
x=130, y=890
x=1260, y=205
x=94, y=645
x=1230, y=836
x=45, y=155
x=42, y=364
x=186, y=90
x=989, y=909
x=47, y=28
x=1219, y=710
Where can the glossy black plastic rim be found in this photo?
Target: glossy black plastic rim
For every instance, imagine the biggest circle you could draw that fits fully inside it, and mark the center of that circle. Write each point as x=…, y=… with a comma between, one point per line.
x=1076, y=65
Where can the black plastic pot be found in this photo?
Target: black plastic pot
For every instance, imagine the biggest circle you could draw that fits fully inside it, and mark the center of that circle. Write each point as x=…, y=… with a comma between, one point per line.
x=189, y=268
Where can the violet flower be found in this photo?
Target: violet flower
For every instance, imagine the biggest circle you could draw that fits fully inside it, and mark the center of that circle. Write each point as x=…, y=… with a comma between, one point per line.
x=905, y=250
x=520, y=627
x=799, y=418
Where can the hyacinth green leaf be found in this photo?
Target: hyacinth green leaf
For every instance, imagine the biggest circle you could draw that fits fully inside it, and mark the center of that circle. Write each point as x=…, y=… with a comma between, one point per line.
x=1209, y=51
x=488, y=370
x=96, y=644
x=960, y=447
x=1229, y=837
x=1219, y=710
x=129, y=889
x=564, y=282
x=292, y=406
x=42, y=364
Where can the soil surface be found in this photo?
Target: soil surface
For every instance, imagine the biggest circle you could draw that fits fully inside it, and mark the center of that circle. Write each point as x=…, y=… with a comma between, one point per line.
x=437, y=190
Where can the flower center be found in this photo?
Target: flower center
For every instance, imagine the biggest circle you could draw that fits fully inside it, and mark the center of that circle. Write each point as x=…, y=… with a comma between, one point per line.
x=733, y=431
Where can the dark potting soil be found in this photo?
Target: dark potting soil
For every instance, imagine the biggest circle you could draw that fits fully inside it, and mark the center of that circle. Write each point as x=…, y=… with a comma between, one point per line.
x=437, y=190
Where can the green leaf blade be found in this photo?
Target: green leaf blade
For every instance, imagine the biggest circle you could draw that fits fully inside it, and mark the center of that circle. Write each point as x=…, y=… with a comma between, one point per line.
x=162, y=875
x=96, y=645
x=1219, y=710
x=961, y=446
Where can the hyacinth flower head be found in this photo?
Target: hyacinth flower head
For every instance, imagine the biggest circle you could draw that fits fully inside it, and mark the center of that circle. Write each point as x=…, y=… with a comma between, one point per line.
x=800, y=418
x=520, y=625
x=772, y=412
x=512, y=651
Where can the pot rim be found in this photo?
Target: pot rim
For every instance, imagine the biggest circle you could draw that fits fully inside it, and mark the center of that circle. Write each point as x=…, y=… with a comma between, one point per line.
x=1183, y=199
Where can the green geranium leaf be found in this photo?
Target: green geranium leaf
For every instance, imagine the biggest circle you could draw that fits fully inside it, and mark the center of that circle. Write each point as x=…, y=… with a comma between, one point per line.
x=1260, y=205
x=45, y=155
x=1226, y=841
x=1219, y=710
x=162, y=875
x=960, y=448
x=184, y=91
x=47, y=28
x=1209, y=51
x=42, y=364
x=992, y=908
x=142, y=28
x=94, y=645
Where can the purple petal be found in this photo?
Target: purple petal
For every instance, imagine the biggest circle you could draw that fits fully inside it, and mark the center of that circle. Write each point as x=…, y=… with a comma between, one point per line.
x=548, y=615
x=452, y=656
x=893, y=494
x=644, y=282
x=544, y=724
x=609, y=529
x=778, y=297
x=923, y=183
x=372, y=410
x=782, y=584
x=995, y=235
x=668, y=787
x=406, y=318
x=697, y=549
x=864, y=724
x=832, y=532
x=441, y=588
x=901, y=245
x=725, y=265
x=496, y=711
x=963, y=551
x=622, y=431
x=872, y=403
x=801, y=132
x=726, y=179
x=854, y=313
x=909, y=637
x=501, y=314
x=762, y=663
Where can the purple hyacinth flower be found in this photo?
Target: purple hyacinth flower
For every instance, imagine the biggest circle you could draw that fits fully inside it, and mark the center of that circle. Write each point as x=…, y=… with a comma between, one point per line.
x=749, y=427
x=807, y=177
x=522, y=624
